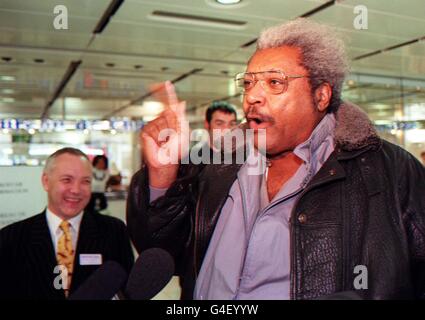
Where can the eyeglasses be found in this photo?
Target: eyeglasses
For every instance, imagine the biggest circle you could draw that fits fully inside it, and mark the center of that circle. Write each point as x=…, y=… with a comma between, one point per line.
x=273, y=82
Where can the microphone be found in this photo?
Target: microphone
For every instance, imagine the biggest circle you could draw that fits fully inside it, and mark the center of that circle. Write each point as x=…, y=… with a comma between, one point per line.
x=102, y=284
x=151, y=272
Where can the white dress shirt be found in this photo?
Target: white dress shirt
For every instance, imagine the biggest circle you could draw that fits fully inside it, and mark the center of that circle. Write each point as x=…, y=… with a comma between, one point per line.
x=53, y=221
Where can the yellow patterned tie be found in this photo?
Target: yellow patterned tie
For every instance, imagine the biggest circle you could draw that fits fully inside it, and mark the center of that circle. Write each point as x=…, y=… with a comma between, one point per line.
x=65, y=254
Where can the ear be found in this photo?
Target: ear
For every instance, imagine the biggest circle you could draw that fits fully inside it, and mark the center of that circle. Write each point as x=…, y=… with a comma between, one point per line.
x=45, y=181
x=206, y=125
x=323, y=96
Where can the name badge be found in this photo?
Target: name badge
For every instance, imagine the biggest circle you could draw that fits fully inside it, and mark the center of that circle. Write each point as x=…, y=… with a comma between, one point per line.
x=90, y=259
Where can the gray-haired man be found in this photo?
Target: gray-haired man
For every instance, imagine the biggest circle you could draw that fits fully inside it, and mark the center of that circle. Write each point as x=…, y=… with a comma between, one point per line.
x=338, y=209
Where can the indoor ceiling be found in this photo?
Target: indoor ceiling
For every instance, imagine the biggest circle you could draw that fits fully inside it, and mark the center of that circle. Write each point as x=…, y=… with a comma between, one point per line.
x=199, y=44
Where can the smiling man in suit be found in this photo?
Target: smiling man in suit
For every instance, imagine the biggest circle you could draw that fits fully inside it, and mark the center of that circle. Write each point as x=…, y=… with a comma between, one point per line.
x=49, y=255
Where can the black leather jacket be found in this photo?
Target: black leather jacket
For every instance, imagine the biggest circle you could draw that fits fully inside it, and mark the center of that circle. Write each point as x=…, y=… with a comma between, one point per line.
x=366, y=206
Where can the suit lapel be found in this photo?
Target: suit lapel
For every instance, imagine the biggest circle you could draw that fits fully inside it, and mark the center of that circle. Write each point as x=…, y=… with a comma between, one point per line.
x=88, y=243
x=41, y=257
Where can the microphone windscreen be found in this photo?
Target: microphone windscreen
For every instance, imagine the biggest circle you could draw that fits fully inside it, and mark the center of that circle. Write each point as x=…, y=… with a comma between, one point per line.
x=102, y=284
x=151, y=272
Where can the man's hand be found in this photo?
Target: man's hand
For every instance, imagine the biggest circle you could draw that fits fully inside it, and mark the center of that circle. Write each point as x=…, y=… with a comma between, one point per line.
x=165, y=140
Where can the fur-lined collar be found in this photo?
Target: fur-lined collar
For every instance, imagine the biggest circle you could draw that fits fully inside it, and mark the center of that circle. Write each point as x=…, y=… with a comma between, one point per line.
x=354, y=130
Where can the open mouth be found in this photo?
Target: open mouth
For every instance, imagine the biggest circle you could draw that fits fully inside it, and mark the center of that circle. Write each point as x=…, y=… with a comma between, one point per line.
x=72, y=201
x=257, y=122
x=256, y=119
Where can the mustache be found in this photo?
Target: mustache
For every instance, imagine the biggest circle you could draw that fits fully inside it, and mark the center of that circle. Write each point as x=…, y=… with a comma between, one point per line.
x=253, y=114
x=259, y=116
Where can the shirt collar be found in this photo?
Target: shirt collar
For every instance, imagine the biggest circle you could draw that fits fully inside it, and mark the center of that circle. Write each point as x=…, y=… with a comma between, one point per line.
x=54, y=221
x=323, y=130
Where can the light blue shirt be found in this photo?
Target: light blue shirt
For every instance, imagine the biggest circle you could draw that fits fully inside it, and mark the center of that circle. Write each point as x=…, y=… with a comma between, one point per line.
x=249, y=253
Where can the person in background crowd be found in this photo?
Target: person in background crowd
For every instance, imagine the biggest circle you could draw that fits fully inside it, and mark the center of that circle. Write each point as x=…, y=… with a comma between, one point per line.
x=99, y=183
x=220, y=115
x=220, y=118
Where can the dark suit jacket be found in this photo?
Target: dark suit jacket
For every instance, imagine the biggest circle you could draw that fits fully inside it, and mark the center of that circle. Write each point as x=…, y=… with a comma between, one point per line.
x=27, y=257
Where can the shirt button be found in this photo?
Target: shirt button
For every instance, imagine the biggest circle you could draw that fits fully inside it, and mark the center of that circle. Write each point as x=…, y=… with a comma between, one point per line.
x=302, y=218
x=332, y=172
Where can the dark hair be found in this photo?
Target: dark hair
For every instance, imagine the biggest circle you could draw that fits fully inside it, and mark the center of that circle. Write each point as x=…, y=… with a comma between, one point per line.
x=67, y=150
x=222, y=106
x=423, y=153
x=98, y=158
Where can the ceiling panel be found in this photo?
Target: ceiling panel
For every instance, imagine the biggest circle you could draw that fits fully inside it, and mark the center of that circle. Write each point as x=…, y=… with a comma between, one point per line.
x=137, y=49
x=409, y=9
x=30, y=23
x=405, y=62
x=380, y=23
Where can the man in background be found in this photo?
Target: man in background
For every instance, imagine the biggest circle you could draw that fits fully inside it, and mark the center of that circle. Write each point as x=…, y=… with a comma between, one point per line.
x=220, y=115
x=220, y=118
x=49, y=255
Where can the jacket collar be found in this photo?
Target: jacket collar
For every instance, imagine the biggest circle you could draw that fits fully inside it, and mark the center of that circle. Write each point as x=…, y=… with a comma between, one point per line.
x=354, y=131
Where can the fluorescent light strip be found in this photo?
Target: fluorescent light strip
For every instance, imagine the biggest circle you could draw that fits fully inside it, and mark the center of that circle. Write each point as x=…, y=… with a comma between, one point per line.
x=196, y=20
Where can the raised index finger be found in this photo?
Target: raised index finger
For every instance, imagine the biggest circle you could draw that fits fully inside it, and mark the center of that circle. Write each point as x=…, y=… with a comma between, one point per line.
x=166, y=94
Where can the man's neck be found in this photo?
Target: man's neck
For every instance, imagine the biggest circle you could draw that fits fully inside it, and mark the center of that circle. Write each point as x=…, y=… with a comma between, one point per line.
x=280, y=170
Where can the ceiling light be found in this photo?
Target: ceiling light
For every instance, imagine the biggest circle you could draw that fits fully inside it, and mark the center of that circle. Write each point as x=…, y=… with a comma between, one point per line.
x=100, y=125
x=8, y=91
x=227, y=2
x=175, y=17
x=151, y=108
x=148, y=118
x=73, y=102
x=7, y=78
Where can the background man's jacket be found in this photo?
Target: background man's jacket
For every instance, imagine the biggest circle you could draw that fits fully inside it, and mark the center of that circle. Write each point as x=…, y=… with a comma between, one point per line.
x=27, y=256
